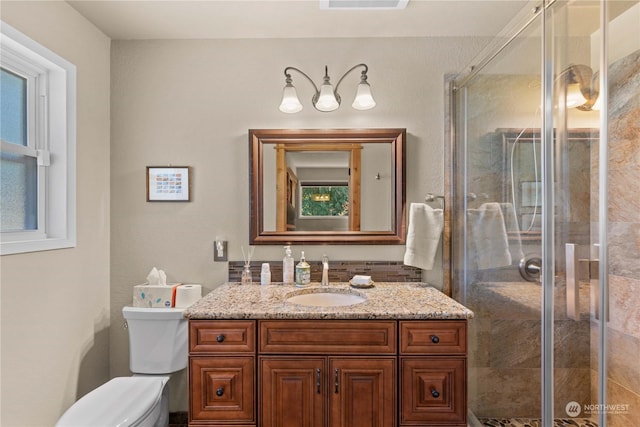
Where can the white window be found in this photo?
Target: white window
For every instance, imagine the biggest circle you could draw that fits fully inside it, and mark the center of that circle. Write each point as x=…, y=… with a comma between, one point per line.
x=37, y=155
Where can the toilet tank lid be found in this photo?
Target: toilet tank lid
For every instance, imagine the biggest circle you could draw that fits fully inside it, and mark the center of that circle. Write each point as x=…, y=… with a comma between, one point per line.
x=122, y=401
x=152, y=313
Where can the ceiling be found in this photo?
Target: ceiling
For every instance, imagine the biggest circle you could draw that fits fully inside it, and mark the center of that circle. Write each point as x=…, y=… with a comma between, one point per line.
x=211, y=19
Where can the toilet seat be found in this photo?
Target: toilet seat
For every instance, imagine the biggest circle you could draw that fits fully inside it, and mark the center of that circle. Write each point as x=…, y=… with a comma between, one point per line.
x=123, y=401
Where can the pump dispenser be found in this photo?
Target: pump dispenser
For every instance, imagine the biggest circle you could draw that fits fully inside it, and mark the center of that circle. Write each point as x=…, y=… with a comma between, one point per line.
x=287, y=267
x=303, y=272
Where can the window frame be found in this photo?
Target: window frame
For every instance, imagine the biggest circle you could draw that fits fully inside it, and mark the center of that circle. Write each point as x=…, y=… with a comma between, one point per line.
x=51, y=139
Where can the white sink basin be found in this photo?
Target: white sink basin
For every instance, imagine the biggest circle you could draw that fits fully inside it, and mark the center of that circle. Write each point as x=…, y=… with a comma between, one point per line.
x=326, y=298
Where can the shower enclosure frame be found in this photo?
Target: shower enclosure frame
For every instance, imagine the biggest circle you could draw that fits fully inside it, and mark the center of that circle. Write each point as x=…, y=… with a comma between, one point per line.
x=457, y=205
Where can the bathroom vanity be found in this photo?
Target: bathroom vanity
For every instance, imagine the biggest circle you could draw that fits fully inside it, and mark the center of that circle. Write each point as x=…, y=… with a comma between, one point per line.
x=395, y=358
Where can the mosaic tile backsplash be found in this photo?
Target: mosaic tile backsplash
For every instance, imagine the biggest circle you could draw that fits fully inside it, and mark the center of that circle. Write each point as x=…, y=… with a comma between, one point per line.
x=339, y=271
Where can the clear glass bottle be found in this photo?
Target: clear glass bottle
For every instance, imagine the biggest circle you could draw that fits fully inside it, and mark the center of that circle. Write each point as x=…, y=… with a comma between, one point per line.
x=246, y=274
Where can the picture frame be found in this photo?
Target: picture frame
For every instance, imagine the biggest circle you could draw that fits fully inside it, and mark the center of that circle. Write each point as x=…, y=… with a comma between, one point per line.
x=168, y=184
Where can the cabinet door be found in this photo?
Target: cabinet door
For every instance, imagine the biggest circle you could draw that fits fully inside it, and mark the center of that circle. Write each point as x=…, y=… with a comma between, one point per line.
x=221, y=390
x=292, y=391
x=362, y=392
x=433, y=390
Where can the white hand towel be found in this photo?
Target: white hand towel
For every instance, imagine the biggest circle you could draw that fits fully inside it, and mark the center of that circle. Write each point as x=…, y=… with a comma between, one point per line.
x=488, y=236
x=513, y=231
x=423, y=235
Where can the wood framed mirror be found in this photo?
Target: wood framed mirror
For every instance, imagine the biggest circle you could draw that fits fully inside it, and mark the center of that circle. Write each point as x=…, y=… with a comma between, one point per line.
x=322, y=186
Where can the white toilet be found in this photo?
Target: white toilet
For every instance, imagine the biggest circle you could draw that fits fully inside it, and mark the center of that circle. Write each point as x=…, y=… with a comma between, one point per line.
x=158, y=340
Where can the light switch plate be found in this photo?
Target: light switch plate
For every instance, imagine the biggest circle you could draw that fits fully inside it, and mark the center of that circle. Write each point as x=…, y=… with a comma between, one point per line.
x=220, y=250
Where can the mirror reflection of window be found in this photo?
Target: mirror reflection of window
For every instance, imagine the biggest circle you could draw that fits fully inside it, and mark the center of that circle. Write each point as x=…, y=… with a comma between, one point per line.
x=324, y=200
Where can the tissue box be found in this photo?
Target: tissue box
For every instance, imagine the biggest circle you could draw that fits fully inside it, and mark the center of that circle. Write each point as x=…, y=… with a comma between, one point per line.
x=146, y=295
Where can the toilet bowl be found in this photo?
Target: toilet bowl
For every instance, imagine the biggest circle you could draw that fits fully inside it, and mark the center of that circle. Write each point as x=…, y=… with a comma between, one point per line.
x=157, y=347
x=123, y=401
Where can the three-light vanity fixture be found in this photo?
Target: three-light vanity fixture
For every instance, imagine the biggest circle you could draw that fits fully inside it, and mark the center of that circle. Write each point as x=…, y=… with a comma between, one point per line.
x=326, y=98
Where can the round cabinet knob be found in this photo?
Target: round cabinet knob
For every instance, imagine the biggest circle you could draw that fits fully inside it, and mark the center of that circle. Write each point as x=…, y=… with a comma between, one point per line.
x=435, y=339
x=435, y=393
x=220, y=338
x=220, y=391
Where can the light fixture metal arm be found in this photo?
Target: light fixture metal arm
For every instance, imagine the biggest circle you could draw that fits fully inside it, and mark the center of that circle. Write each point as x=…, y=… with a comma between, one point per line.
x=288, y=76
x=363, y=75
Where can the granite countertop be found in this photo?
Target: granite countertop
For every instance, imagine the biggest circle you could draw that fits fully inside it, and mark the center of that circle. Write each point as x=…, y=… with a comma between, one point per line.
x=383, y=301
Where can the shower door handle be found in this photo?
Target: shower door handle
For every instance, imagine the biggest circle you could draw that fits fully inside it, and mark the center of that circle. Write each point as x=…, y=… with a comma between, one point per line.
x=582, y=263
x=572, y=267
x=594, y=280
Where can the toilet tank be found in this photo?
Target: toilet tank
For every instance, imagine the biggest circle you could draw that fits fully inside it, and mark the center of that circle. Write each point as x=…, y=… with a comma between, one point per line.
x=158, y=339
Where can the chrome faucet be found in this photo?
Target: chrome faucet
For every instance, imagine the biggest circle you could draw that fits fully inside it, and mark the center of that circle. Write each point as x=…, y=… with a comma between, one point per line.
x=325, y=271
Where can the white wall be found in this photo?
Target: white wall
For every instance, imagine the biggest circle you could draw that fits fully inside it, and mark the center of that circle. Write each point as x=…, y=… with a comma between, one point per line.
x=55, y=304
x=191, y=103
x=377, y=183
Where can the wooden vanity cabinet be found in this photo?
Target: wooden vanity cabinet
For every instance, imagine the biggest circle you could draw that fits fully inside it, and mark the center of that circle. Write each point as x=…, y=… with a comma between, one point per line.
x=222, y=376
x=327, y=391
x=433, y=373
x=329, y=373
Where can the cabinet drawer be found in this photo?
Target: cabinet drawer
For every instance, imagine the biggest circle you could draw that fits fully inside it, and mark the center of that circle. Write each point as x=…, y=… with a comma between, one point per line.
x=213, y=336
x=433, y=337
x=221, y=390
x=433, y=389
x=327, y=336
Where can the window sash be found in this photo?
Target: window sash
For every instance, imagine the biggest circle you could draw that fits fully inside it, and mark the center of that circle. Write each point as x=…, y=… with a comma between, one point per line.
x=15, y=96
x=51, y=90
x=36, y=144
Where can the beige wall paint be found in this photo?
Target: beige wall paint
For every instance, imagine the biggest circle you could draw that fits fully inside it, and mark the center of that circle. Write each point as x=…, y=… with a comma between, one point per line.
x=192, y=102
x=55, y=304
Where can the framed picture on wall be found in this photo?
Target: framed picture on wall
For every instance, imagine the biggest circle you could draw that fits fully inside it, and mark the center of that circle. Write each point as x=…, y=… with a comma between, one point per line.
x=168, y=184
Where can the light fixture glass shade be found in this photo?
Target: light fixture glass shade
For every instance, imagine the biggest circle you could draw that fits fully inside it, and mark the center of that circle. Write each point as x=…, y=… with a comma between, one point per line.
x=597, y=106
x=363, y=100
x=574, y=98
x=327, y=99
x=290, y=102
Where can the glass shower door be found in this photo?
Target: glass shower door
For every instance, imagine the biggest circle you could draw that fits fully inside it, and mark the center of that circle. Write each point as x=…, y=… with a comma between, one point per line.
x=572, y=248
x=546, y=219
x=497, y=225
x=597, y=47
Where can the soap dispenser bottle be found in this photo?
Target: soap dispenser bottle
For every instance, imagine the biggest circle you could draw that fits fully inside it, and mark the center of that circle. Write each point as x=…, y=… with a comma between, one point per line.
x=303, y=272
x=287, y=267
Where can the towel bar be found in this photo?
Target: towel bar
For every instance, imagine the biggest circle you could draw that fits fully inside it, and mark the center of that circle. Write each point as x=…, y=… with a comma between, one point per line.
x=432, y=197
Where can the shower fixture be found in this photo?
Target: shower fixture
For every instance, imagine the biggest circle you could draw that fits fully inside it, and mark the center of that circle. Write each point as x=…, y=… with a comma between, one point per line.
x=530, y=267
x=326, y=98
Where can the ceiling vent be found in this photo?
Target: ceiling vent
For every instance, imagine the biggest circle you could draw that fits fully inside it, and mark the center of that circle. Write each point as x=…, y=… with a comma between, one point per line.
x=363, y=4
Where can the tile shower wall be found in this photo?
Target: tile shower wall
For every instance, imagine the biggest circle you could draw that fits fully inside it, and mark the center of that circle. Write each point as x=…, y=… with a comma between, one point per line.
x=339, y=271
x=505, y=348
x=624, y=241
